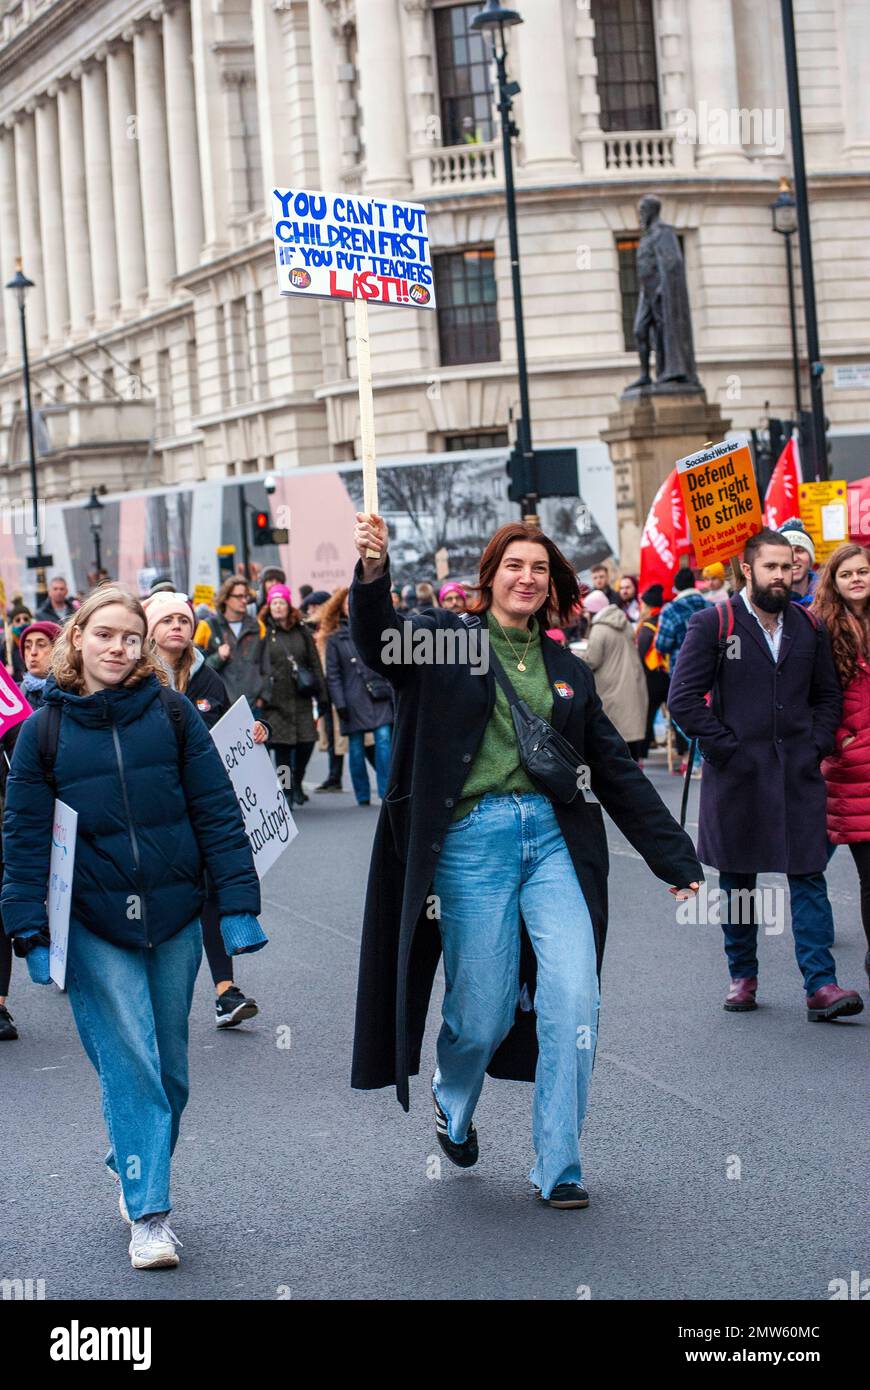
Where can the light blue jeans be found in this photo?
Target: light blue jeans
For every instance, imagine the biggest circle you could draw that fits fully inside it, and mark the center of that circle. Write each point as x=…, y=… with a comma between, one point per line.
x=507, y=859
x=359, y=773
x=131, y=1009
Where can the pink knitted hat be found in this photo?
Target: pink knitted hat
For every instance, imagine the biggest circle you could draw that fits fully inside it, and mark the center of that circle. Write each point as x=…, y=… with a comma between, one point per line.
x=164, y=605
x=595, y=601
x=279, y=591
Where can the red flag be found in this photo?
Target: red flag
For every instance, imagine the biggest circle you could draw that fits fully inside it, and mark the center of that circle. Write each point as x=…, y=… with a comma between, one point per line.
x=781, y=499
x=665, y=537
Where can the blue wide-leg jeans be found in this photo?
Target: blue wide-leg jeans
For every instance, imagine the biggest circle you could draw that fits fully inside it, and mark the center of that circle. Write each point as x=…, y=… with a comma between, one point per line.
x=131, y=1009
x=506, y=861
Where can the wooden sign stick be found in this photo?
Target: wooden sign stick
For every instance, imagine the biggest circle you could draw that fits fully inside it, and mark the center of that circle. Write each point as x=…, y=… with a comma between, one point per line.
x=366, y=412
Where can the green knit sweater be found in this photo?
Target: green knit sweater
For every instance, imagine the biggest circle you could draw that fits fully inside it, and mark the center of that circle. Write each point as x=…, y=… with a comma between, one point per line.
x=497, y=768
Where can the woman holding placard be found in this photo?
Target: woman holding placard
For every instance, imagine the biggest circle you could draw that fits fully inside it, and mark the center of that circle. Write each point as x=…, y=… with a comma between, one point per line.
x=487, y=849
x=170, y=629
x=154, y=805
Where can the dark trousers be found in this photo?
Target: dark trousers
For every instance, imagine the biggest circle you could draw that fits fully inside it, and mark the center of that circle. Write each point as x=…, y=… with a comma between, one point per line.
x=860, y=852
x=657, y=683
x=294, y=756
x=5, y=960
x=219, y=963
x=812, y=924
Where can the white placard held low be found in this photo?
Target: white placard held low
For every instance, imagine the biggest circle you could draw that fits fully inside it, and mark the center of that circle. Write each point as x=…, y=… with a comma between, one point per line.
x=60, y=879
x=265, y=811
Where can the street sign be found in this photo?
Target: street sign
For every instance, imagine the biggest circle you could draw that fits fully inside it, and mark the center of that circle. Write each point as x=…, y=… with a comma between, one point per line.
x=36, y=562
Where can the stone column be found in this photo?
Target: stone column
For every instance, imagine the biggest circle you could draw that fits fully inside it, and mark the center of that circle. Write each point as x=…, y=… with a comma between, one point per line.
x=184, y=171
x=272, y=113
x=51, y=218
x=714, y=66
x=547, y=133
x=153, y=159
x=324, y=61
x=8, y=237
x=382, y=84
x=98, y=184
x=211, y=123
x=125, y=175
x=674, y=78
x=419, y=61
x=75, y=204
x=591, y=134
x=29, y=230
x=856, y=51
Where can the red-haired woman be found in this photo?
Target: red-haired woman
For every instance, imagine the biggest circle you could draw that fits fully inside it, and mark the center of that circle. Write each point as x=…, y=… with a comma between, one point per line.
x=475, y=857
x=842, y=601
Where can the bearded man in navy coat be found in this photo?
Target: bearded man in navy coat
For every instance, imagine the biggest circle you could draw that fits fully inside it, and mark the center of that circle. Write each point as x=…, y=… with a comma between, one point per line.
x=773, y=715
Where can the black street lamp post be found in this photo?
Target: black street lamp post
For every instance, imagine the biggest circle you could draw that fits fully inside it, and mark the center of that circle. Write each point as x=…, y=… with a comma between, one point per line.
x=784, y=215
x=95, y=509
x=495, y=18
x=817, y=403
x=20, y=284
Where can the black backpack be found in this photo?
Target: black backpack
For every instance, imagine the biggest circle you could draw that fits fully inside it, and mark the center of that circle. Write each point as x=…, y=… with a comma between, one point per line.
x=48, y=729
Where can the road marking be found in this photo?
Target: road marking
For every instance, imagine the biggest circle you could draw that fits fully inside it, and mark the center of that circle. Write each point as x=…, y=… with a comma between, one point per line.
x=311, y=922
x=669, y=1090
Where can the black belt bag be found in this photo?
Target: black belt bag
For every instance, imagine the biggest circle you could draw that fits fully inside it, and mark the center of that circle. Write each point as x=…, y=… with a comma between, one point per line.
x=547, y=757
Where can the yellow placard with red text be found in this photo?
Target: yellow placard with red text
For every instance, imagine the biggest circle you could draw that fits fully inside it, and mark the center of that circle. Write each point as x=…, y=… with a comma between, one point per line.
x=721, y=498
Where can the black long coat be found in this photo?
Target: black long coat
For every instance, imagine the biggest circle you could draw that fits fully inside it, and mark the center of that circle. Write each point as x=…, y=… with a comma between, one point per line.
x=442, y=712
x=764, y=735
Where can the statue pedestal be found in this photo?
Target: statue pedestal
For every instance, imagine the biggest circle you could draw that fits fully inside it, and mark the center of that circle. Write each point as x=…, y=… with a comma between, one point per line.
x=646, y=436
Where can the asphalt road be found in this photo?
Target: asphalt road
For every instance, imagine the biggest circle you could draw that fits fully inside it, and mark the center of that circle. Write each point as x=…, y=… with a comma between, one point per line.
x=289, y=1185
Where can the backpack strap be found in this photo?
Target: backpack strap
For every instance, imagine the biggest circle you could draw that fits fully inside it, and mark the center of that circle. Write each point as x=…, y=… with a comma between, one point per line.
x=47, y=735
x=173, y=703
x=810, y=616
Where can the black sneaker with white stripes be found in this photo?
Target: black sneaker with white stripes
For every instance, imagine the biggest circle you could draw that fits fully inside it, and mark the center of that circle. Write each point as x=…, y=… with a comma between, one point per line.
x=464, y=1155
x=232, y=1007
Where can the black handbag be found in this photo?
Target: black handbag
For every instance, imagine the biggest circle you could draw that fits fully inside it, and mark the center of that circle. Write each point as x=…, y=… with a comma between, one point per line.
x=547, y=757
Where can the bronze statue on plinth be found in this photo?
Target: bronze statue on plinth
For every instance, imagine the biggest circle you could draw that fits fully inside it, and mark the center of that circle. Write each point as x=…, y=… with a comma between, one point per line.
x=663, y=322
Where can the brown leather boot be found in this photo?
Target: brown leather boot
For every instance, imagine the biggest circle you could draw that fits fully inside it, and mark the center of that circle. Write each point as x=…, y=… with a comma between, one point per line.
x=741, y=996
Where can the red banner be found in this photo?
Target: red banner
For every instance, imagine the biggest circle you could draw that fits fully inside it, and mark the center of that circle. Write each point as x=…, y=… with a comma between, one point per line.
x=665, y=537
x=781, y=501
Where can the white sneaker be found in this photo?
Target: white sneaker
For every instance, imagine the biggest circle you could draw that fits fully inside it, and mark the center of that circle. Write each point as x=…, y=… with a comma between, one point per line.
x=152, y=1243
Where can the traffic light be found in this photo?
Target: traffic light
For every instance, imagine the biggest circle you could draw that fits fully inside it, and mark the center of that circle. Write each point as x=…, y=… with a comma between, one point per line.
x=519, y=471
x=267, y=534
x=549, y=473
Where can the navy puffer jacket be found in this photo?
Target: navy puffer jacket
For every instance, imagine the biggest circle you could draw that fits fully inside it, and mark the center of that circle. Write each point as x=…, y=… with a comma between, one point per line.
x=146, y=827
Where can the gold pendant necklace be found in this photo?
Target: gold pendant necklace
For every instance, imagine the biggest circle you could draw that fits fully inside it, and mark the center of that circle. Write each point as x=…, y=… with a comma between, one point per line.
x=521, y=664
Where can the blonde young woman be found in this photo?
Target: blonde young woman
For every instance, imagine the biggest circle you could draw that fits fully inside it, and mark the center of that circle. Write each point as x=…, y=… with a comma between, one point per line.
x=170, y=630
x=154, y=807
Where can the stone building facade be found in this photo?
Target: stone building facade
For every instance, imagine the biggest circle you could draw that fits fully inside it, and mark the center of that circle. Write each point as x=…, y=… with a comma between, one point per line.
x=140, y=141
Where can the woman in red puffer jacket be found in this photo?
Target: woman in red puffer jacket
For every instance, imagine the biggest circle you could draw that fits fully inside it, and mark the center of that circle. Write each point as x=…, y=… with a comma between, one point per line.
x=842, y=602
